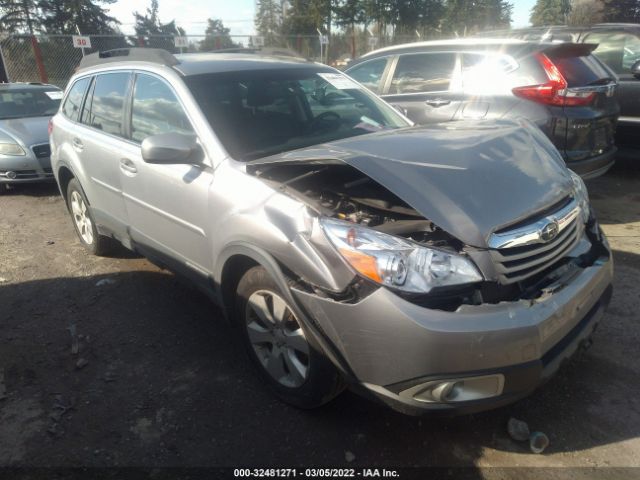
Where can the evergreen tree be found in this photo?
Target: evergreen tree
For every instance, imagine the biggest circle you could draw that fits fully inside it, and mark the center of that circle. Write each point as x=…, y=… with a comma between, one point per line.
x=66, y=16
x=268, y=20
x=470, y=16
x=217, y=36
x=19, y=16
x=550, y=12
x=150, y=24
x=625, y=11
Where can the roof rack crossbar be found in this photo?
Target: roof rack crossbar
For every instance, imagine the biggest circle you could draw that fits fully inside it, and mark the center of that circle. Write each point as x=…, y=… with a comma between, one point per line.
x=151, y=55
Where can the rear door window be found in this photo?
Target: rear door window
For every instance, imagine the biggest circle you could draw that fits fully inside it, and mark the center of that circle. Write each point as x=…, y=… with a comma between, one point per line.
x=73, y=102
x=156, y=110
x=104, y=109
x=369, y=73
x=423, y=73
x=618, y=50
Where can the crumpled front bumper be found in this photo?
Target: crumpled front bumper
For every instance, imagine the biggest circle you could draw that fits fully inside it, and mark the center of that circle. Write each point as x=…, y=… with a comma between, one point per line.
x=389, y=344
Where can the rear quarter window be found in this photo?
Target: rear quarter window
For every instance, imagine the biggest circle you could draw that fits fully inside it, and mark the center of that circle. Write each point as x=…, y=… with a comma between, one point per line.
x=580, y=71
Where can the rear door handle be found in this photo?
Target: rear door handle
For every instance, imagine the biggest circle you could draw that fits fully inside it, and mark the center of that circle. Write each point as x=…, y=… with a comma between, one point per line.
x=128, y=166
x=437, y=102
x=77, y=144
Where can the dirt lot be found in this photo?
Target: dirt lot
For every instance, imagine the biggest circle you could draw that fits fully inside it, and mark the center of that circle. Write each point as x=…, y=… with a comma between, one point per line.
x=163, y=385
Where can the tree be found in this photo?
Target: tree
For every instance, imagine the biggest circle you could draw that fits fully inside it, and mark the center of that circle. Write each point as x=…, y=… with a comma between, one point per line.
x=66, y=16
x=268, y=20
x=550, y=12
x=19, y=16
x=217, y=36
x=585, y=13
x=150, y=24
x=467, y=16
x=626, y=11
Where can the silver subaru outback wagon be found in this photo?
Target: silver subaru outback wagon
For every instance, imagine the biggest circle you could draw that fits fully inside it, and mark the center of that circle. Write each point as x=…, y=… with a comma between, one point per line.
x=446, y=268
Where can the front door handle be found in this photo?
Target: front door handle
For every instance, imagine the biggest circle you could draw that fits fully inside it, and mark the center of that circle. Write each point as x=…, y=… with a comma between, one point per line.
x=77, y=144
x=128, y=166
x=437, y=102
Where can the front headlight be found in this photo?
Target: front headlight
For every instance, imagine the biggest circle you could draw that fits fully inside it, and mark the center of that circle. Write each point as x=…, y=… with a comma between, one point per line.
x=395, y=262
x=11, y=149
x=581, y=195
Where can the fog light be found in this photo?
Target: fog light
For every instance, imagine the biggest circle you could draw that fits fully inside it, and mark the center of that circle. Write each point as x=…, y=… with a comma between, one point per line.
x=457, y=389
x=11, y=175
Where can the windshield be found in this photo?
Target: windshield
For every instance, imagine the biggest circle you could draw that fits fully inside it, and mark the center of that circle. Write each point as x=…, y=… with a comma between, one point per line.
x=261, y=113
x=29, y=103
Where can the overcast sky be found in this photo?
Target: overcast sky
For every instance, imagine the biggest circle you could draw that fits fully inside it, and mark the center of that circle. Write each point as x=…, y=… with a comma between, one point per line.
x=237, y=15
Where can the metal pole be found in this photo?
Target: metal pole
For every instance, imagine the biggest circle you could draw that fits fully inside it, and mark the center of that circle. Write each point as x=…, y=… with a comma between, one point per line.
x=4, y=75
x=78, y=30
x=320, y=38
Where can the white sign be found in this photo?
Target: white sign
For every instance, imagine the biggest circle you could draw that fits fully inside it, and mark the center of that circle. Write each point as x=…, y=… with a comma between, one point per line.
x=181, y=42
x=257, y=41
x=54, y=94
x=324, y=39
x=81, y=42
x=339, y=81
x=372, y=41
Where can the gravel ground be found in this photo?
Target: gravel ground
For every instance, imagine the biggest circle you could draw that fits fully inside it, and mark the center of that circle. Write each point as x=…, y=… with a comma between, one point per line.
x=156, y=380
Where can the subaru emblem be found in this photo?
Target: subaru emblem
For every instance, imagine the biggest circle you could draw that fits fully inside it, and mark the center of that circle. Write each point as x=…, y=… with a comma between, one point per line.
x=549, y=232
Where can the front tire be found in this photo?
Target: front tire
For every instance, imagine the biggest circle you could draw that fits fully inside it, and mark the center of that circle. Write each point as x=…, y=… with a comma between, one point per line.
x=84, y=222
x=286, y=357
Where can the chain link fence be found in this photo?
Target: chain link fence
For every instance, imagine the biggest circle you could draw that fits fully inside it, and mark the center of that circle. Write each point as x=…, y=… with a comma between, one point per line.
x=54, y=58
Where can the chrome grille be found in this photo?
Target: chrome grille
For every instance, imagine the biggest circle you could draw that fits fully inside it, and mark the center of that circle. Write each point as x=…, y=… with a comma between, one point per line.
x=523, y=252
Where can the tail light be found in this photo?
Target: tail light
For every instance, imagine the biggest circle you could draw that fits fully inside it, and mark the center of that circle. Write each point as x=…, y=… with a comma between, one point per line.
x=554, y=91
x=50, y=126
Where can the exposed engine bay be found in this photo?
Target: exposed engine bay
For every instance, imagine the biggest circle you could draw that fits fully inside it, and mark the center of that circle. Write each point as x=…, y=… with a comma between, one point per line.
x=342, y=192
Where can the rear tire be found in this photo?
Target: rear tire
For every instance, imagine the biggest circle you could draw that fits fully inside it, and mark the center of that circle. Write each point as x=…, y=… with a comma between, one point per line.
x=284, y=353
x=84, y=222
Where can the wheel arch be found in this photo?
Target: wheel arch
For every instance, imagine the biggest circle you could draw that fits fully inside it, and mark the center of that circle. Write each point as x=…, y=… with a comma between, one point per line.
x=234, y=262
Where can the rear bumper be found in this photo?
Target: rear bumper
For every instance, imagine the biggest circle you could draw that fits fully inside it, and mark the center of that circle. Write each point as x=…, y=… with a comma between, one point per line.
x=594, y=166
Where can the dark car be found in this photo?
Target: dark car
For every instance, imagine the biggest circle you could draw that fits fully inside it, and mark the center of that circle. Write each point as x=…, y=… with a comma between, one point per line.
x=562, y=88
x=619, y=48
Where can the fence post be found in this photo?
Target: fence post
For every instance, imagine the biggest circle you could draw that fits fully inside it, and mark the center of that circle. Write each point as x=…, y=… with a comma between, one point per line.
x=40, y=64
x=4, y=76
x=353, y=45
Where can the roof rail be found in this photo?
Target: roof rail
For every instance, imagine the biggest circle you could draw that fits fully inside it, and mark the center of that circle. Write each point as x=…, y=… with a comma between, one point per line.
x=152, y=55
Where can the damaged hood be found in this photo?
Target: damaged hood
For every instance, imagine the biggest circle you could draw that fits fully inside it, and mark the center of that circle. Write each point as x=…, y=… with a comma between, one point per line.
x=469, y=178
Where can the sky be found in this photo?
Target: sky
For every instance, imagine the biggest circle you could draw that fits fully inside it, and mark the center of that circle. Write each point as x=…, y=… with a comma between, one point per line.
x=237, y=15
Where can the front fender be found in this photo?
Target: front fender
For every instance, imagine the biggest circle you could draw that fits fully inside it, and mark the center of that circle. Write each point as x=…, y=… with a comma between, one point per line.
x=269, y=263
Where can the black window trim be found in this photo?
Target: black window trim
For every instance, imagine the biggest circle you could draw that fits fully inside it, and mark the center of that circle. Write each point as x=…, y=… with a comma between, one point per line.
x=82, y=100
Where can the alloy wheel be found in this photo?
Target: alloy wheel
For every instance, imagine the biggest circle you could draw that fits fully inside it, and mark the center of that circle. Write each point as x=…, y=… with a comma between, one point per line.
x=277, y=338
x=81, y=217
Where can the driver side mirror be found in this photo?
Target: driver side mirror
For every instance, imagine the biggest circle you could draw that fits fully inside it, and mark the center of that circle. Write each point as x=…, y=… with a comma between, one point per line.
x=172, y=148
x=635, y=69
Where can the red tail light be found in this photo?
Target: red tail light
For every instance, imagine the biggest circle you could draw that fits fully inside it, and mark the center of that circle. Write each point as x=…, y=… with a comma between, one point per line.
x=554, y=91
x=50, y=126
